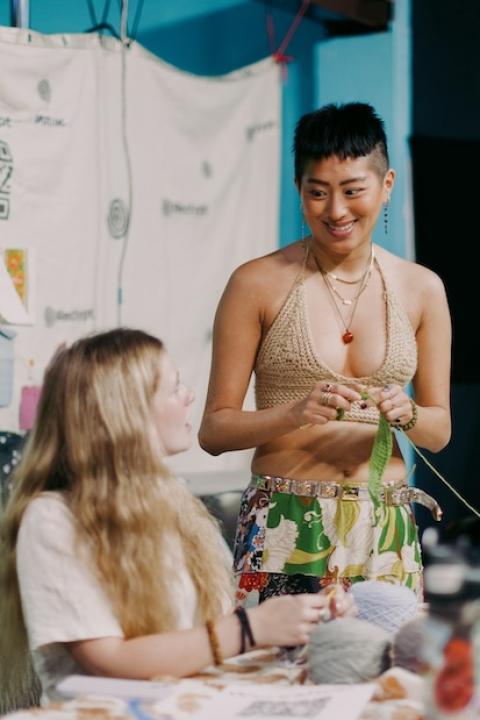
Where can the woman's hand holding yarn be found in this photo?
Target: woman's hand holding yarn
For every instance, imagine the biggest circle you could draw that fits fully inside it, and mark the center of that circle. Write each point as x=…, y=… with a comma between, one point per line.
x=394, y=403
x=325, y=402
x=341, y=602
x=287, y=620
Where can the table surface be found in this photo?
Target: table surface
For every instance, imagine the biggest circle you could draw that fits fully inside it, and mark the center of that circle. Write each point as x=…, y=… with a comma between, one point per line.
x=397, y=693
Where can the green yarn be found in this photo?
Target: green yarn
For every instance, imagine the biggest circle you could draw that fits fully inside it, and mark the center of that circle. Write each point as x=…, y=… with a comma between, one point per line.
x=381, y=454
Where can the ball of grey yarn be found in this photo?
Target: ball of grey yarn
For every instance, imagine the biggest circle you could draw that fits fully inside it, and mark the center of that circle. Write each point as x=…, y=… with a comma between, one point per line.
x=387, y=605
x=407, y=645
x=347, y=650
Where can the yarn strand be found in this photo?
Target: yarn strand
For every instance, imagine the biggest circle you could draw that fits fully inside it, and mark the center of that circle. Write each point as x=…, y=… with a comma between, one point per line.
x=381, y=453
x=440, y=476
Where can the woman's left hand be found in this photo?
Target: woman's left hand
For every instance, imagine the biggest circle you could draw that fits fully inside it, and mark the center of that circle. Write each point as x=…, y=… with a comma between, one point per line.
x=394, y=403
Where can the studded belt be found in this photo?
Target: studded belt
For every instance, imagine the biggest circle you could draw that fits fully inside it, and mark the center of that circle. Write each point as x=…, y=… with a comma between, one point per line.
x=391, y=494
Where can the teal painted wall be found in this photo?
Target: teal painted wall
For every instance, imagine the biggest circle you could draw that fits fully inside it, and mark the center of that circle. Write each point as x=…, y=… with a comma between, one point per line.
x=65, y=16
x=376, y=69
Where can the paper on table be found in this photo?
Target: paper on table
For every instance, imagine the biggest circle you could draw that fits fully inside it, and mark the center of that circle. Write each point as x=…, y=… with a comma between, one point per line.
x=315, y=702
x=12, y=309
x=77, y=685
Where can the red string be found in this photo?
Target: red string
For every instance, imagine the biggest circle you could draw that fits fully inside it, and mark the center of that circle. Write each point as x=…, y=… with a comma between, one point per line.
x=271, y=32
x=279, y=55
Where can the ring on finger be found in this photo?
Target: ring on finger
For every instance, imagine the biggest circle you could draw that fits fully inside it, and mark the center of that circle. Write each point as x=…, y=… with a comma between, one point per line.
x=324, y=615
x=325, y=398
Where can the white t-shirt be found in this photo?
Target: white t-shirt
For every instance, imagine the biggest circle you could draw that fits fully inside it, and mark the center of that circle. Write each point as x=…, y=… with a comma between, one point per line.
x=62, y=600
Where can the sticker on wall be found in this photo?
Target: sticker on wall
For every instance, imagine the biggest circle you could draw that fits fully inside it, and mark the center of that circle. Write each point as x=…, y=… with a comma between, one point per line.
x=29, y=398
x=28, y=405
x=17, y=264
x=12, y=310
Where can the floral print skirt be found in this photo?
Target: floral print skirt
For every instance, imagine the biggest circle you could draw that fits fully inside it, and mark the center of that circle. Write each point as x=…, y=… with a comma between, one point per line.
x=287, y=543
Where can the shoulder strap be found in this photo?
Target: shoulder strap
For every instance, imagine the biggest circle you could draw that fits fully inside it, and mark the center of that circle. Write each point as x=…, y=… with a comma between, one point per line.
x=301, y=273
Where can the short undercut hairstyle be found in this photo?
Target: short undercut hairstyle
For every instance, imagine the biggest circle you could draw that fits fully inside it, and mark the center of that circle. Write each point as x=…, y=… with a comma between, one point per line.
x=351, y=130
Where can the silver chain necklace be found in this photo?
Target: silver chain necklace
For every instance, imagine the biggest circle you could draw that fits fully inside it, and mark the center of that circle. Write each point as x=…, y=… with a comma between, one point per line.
x=347, y=336
x=363, y=280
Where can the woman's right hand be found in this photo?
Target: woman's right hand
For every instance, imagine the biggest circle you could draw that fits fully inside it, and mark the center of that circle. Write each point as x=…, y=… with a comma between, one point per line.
x=287, y=620
x=326, y=401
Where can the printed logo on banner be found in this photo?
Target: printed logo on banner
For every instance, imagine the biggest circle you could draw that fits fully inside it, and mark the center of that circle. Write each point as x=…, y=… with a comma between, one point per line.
x=207, y=170
x=53, y=316
x=48, y=121
x=118, y=218
x=4, y=208
x=170, y=207
x=6, y=171
x=251, y=131
x=44, y=90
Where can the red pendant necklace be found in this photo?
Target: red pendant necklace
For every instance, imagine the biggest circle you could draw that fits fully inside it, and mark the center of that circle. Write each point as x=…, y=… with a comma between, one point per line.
x=347, y=336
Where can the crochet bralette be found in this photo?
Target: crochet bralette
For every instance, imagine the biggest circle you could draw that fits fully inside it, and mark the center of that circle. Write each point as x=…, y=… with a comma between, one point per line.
x=287, y=366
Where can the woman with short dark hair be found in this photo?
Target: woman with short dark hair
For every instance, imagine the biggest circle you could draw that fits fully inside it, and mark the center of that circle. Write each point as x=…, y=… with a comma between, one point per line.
x=335, y=328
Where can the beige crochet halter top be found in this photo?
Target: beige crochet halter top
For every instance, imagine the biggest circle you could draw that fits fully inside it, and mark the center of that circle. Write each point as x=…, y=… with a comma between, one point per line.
x=287, y=367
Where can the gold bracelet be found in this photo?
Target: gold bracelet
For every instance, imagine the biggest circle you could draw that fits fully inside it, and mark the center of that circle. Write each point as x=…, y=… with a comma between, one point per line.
x=412, y=422
x=214, y=643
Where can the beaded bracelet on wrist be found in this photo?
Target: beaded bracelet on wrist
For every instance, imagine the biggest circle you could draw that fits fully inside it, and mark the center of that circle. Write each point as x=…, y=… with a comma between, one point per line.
x=214, y=643
x=412, y=422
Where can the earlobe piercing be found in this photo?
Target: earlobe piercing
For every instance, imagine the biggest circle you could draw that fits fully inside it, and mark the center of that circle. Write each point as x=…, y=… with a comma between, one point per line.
x=385, y=215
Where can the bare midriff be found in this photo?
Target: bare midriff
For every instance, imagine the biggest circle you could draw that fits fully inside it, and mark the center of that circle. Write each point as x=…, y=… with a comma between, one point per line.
x=335, y=452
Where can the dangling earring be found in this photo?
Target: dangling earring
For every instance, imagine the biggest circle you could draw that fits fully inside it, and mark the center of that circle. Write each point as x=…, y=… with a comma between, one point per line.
x=385, y=216
x=304, y=225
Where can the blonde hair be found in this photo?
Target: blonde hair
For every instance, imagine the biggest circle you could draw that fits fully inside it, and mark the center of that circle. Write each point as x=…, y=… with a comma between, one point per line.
x=94, y=440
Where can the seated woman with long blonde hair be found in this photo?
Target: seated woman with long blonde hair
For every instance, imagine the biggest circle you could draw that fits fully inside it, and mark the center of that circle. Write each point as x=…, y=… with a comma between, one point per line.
x=110, y=566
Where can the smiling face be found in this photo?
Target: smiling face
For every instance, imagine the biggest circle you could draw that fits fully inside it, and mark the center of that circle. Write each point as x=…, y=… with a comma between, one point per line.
x=171, y=413
x=342, y=199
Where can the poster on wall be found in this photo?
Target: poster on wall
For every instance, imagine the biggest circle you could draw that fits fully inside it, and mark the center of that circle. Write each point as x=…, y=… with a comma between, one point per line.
x=133, y=218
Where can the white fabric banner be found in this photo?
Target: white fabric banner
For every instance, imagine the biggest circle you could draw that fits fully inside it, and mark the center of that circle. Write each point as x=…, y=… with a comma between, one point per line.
x=84, y=135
